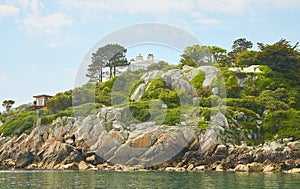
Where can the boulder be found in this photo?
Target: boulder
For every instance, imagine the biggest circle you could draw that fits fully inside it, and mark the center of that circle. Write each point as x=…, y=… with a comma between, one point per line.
x=170, y=169
x=102, y=166
x=94, y=160
x=241, y=168
x=190, y=167
x=294, y=170
x=116, y=125
x=83, y=165
x=23, y=159
x=219, y=168
x=199, y=168
x=221, y=150
x=271, y=168
x=255, y=167
x=220, y=120
x=276, y=146
x=208, y=141
x=209, y=72
x=180, y=169
x=151, y=75
x=287, y=140
x=176, y=81
x=70, y=166
x=295, y=146
x=273, y=146
x=187, y=68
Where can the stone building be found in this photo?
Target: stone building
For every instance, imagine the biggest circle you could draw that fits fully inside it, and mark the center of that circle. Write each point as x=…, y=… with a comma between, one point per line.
x=140, y=63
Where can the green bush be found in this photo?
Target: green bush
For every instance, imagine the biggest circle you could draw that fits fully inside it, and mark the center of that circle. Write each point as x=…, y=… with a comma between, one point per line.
x=198, y=80
x=170, y=98
x=18, y=123
x=283, y=123
x=158, y=90
x=248, y=102
x=210, y=101
x=45, y=120
x=161, y=65
x=82, y=96
x=173, y=116
x=140, y=110
x=60, y=102
x=103, y=91
x=202, y=124
x=273, y=100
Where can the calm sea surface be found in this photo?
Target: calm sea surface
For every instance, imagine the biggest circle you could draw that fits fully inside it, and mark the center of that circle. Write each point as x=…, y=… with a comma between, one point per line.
x=107, y=179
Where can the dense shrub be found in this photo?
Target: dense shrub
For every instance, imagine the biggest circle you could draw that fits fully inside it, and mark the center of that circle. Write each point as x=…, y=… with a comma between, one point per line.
x=210, y=101
x=173, y=116
x=281, y=124
x=161, y=65
x=248, y=102
x=140, y=111
x=158, y=90
x=60, y=102
x=18, y=123
x=198, y=80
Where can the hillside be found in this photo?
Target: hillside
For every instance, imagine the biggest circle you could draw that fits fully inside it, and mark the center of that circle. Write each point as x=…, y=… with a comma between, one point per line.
x=256, y=104
x=168, y=119
x=256, y=92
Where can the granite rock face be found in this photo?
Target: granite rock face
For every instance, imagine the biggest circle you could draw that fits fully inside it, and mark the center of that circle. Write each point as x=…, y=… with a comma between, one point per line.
x=210, y=73
x=102, y=141
x=177, y=80
x=102, y=137
x=87, y=143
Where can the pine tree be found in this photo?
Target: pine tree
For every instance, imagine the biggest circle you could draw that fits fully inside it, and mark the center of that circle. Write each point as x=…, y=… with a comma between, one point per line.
x=111, y=56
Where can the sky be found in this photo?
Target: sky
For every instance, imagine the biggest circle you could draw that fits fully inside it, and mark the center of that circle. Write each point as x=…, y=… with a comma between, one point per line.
x=44, y=42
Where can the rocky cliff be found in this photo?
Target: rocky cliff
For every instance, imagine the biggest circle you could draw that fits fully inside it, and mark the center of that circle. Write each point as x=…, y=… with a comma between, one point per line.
x=101, y=141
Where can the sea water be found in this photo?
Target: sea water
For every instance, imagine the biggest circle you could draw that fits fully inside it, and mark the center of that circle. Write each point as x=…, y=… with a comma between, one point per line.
x=155, y=179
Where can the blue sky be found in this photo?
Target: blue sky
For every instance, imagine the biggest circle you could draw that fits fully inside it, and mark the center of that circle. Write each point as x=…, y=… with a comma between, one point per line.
x=43, y=42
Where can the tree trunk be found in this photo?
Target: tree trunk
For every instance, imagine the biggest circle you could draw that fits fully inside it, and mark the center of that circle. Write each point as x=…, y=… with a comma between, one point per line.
x=114, y=71
x=100, y=74
x=110, y=72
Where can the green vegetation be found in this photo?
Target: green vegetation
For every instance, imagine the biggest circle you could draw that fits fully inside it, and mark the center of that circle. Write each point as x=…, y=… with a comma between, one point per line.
x=111, y=56
x=196, y=55
x=158, y=90
x=18, y=123
x=60, y=102
x=198, y=80
x=260, y=106
x=282, y=124
x=161, y=65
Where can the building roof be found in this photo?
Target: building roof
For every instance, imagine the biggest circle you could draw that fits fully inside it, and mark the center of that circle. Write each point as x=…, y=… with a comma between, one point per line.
x=42, y=95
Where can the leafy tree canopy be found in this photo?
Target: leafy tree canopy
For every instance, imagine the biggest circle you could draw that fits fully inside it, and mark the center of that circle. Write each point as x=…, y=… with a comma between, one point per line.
x=247, y=58
x=241, y=45
x=7, y=104
x=281, y=57
x=111, y=56
x=196, y=55
x=219, y=54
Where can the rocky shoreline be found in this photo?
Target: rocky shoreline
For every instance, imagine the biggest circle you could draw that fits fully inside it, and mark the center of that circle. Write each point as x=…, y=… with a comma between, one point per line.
x=85, y=144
